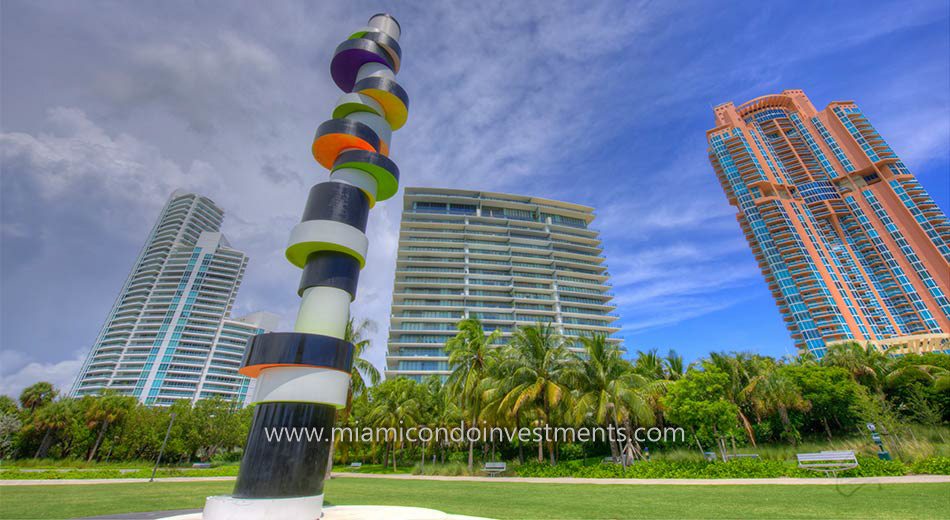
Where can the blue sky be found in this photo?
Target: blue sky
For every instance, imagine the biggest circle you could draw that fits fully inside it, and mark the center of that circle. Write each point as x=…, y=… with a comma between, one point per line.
x=108, y=107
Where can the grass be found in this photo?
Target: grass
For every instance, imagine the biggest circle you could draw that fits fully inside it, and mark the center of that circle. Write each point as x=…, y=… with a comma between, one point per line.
x=913, y=442
x=378, y=469
x=514, y=500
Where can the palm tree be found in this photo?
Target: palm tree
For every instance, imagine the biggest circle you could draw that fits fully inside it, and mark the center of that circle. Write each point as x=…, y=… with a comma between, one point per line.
x=444, y=411
x=363, y=369
x=538, y=367
x=610, y=390
x=104, y=411
x=51, y=419
x=396, y=405
x=773, y=393
x=37, y=395
x=470, y=356
x=741, y=369
x=865, y=363
x=650, y=365
x=675, y=368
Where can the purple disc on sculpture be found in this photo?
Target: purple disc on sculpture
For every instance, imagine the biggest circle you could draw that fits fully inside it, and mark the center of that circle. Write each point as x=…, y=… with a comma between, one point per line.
x=350, y=56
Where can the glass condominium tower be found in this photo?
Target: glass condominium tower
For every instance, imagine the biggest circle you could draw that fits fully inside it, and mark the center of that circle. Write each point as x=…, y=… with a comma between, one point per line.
x=508, y=260
x=169, y=335
x=852, y=247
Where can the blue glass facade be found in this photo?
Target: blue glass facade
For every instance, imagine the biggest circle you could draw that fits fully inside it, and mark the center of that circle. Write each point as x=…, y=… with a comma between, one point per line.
x=851, y=246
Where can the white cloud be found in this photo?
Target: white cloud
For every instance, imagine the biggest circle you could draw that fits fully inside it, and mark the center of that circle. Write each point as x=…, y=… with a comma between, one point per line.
x=198, y=79
x=61, y=374
x=118, y=178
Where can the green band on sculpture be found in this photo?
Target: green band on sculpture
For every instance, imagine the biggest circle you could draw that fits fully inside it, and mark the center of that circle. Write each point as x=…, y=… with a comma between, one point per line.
x=297, y=253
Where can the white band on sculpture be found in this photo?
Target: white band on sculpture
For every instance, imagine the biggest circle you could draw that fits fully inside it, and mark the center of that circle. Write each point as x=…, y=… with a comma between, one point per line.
x=311, y=236
x=325, y=311
x=358, y=178
x=386, y=24
x=375, y=69
x=353, y=100
x=377, y=123
x=230, y=508
x=302, y=384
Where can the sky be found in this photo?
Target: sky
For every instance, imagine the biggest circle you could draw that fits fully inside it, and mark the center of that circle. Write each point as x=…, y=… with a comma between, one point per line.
x=107, y=107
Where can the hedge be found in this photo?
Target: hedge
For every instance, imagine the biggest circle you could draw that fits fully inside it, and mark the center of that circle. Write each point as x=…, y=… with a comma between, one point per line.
x=742, y=468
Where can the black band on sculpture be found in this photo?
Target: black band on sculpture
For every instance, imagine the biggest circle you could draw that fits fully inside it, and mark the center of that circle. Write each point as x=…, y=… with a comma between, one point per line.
x=330, y=269
x=366, y=157
x=296, y=348
x=338, y=202
x=349, y=127
x=265, y=472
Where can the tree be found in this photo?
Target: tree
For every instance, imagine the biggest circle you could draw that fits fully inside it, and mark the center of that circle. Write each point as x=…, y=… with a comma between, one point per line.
x=864, y=363
x=609, y=389
x=51, y=419
x=8, y=405
x=698, y=402
x=537, y=364
x=37, y=395
x=215, y=426
x=361, y=371
x=396, y=404
x=741, y=370
x=675, y=368
x=772, y=392
x=441, y=411
x=105, y=410
x=650, y=365
x=9, y=428
x=470, y=356
x=833, y=394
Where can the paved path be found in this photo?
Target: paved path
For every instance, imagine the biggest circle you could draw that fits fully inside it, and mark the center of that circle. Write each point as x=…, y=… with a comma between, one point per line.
x=908, y=479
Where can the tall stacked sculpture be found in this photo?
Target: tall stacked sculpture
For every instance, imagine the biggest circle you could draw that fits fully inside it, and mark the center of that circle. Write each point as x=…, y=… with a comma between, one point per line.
x=303, y=376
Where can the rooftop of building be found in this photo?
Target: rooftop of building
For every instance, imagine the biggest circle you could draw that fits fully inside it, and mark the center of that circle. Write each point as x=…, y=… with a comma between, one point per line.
x=574, y=209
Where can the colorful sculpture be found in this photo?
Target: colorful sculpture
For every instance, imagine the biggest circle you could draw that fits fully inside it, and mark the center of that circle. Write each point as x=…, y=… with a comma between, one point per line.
x=303, y=376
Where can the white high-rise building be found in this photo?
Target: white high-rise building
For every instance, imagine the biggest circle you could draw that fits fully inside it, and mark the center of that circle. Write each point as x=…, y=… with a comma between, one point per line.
x=508, y=260
x=169, y=335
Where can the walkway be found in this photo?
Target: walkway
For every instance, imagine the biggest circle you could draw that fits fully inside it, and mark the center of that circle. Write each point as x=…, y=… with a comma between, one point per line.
x=908, y=479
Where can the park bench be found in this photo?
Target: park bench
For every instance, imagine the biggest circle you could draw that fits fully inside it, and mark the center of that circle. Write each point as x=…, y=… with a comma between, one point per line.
x=356, y=465
x=201, y=465
x=710, y=456
x=494, y=468
x=742, y=456
x=611, y=460
x=828, y=461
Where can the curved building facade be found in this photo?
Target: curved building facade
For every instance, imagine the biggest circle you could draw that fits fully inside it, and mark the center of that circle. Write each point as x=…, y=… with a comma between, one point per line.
x=508, y=260
x=849, y=242
x=170, y=334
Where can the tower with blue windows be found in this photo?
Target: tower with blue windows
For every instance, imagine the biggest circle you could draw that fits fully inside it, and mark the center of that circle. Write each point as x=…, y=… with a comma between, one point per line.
x=170, y=335
x=852, y=247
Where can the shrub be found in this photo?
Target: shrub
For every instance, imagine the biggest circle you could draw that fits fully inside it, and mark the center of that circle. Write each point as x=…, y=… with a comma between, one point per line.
x=743, y=468
x=932, y=466
x=571, y=452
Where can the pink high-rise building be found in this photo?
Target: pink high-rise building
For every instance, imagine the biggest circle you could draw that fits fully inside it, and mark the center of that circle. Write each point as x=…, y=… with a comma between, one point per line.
x=850, y=244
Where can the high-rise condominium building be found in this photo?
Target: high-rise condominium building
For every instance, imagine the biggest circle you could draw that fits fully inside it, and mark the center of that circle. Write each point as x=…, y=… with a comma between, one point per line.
x=169, y=335
x=849, y=242
x=508, y=260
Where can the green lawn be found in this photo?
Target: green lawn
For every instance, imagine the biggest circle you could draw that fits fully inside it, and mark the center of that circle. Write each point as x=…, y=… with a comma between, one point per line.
x=516, y=500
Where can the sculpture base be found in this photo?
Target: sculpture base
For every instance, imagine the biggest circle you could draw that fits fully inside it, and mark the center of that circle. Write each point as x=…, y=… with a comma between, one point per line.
x=230, y=508
x=364, y=513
